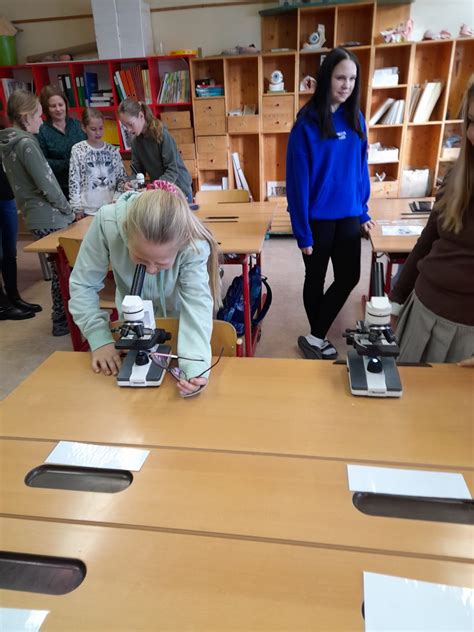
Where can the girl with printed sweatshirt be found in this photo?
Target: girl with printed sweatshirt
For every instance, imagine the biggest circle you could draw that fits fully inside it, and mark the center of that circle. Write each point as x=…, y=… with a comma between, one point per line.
x=328, y=187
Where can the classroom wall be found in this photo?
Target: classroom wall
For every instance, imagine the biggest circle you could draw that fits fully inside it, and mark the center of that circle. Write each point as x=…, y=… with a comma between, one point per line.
x=219, y=28
x=46, y=36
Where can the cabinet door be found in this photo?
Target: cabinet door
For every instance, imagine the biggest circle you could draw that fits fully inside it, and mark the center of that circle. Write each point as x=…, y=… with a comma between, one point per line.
x=209, y=117
x=278, y=113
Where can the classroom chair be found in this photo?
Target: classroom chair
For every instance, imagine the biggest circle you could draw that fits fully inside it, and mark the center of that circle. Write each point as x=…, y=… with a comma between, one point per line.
x=67, y=255
x=223, y=336
x=222, y=197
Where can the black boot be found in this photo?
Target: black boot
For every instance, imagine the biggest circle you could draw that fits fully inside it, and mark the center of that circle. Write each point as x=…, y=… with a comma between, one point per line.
x=9, y=274
x=10, y=312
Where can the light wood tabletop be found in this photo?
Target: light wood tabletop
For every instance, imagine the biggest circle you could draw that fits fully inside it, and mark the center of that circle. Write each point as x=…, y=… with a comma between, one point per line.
x=239, y=228
x=275, y=498
x=265, y=405
x=390, y=213
x=151, y=581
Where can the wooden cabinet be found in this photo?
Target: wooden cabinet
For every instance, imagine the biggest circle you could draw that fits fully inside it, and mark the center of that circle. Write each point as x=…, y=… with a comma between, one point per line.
x=209, y=116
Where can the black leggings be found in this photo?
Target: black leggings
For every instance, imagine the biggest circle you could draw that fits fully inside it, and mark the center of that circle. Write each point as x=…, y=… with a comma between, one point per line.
x=338, y=240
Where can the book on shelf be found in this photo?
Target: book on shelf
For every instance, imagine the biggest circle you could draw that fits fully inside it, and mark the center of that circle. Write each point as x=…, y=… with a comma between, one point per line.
x=381, y=111
x=91, y=84
x=80, y=91
x=240, y=179
x=394, y=115
x=65, y=86
x=133, y=81
x=111, y=134
x=385, y=77
x=430, y=93
x=175, y=87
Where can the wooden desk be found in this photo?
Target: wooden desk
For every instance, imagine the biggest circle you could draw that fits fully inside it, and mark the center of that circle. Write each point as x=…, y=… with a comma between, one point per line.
x=243, y=236
x=294, y=407
x=300, y=500
x=389, y=212
x=142, y=580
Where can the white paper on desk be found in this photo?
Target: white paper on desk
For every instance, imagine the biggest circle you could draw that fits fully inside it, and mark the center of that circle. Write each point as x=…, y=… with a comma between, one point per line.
x=409, y=605
x=401, y=230
x=102, y=456
x=391, y=480
x=19, y=619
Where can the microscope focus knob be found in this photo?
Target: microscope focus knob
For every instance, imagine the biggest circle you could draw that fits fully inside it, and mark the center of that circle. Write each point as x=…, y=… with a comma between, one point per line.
x=141, y=358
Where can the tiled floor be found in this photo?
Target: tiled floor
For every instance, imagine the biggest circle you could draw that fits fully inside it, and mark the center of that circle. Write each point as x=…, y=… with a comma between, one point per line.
x=26, y=344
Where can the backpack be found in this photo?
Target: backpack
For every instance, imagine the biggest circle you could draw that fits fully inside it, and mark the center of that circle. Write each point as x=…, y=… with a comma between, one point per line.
x=232, y=310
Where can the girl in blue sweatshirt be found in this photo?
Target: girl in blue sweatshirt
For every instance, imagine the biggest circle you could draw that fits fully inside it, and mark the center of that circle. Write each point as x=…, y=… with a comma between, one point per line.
x=328, y=187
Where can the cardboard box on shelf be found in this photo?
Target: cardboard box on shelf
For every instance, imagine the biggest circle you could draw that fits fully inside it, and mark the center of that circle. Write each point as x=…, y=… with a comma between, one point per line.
x=122, y=28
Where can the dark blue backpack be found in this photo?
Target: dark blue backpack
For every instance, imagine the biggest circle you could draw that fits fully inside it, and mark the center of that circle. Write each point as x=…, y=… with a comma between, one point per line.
x=232, y=310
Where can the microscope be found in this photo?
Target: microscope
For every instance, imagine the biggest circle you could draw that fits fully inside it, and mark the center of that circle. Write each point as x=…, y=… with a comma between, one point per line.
x=371, y=365
x=139, y=337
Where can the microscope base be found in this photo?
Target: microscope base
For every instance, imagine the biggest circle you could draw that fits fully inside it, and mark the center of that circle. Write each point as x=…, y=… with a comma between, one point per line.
x=364, y=383
x=136, y=376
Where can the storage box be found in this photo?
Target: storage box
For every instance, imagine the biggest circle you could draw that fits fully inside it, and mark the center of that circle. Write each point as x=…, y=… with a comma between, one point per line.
x=122, y=28
x=183, y=136
x=176, y=120
x=386, y=188
x=450, y=153
x=415, y=183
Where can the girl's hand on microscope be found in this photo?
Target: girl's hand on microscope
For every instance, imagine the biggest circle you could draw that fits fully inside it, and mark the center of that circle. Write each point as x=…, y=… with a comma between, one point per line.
x=106, y=359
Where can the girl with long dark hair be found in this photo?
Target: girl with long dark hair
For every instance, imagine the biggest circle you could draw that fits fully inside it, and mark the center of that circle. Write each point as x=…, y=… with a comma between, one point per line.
x=328, y=188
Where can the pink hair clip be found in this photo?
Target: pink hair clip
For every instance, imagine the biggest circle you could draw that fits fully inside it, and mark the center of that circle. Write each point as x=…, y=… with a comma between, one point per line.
x=164, y=185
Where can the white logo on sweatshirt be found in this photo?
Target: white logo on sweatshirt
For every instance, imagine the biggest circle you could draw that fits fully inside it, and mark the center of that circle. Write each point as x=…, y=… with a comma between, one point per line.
x=341, y=135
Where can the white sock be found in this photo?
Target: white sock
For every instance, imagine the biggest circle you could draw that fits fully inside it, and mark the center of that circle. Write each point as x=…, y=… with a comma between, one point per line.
x=316, y=342
x=320, y=343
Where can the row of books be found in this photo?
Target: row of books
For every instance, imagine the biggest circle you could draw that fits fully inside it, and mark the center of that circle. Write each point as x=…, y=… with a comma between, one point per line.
x=391, y=112
x=133, y=81
x=175, y=87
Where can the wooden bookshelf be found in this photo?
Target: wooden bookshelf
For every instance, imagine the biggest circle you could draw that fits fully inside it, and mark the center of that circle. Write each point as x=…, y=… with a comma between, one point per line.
x=261, y=140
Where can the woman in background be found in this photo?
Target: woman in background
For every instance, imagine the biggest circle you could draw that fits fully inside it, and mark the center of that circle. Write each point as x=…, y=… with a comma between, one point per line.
x=58, y=134
x=436, y=286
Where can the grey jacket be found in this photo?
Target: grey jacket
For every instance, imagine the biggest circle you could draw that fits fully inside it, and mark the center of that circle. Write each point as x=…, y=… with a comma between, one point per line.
x=37, y=192
x=161, y=161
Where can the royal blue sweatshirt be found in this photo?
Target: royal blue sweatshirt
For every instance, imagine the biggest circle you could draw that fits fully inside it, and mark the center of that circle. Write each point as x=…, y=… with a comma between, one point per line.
x=325, y=179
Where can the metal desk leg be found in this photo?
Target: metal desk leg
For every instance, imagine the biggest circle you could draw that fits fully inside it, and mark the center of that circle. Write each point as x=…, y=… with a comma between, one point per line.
x=45, y=269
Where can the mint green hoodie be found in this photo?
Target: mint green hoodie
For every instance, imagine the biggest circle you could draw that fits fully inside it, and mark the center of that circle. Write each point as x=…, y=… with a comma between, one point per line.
x=182, y=291
x=37, y=192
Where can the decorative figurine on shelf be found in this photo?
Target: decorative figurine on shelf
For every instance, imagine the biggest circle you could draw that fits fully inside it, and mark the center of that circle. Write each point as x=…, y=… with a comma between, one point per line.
x=400, y=33
x=308, y=84
x=316, y=40
x=465, y=31
x=276, y=82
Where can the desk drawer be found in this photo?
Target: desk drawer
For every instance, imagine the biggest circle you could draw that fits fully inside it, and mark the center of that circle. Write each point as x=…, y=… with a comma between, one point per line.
x=212, y=152
x=213, y=160
x=210, y=116
x=278, y=113
x=176, y=120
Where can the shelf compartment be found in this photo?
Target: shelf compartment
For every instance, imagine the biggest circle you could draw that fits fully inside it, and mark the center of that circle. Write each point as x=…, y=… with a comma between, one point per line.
x=273, y=159
x=463, y=68
x=280, y=31
x=432, y=63
x=380, y=96
x=309, y=64
x=247, y=147
x=309, y=20
x=204, y=69
x=242, y=80
x=422, y=146
x=284, y=63
x=387, y=56
x=355, y=23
